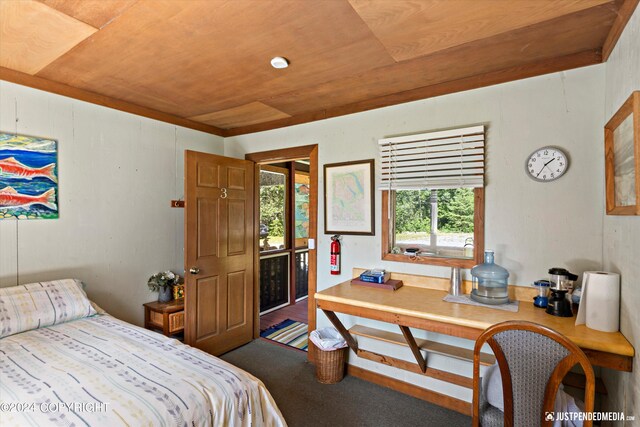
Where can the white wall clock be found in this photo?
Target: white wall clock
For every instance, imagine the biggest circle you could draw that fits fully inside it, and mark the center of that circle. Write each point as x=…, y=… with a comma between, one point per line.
x=547, y=164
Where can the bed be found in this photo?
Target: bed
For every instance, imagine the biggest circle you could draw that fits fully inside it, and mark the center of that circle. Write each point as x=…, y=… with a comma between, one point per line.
x=65, y=362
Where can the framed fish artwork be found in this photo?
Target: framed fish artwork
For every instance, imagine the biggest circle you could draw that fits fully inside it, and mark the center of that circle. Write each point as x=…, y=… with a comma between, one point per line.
x=28, y=177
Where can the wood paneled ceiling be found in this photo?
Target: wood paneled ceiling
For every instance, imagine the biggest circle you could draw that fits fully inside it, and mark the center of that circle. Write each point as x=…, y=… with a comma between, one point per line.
x=205, y=63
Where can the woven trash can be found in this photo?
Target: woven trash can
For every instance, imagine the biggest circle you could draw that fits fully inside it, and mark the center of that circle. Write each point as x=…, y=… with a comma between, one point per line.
x=330, y=364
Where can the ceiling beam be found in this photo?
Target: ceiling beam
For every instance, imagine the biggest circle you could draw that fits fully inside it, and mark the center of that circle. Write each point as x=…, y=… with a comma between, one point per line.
x=624, y=14
x=95, y=98
x=546, y=66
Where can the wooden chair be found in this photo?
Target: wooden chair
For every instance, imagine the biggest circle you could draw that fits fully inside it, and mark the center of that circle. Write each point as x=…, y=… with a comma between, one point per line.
x=532, y=360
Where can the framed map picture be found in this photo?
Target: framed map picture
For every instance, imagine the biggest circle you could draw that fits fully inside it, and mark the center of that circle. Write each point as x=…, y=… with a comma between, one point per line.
x=349, y=198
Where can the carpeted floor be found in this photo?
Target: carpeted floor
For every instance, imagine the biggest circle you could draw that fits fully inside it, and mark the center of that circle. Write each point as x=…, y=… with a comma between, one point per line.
x=352, y=402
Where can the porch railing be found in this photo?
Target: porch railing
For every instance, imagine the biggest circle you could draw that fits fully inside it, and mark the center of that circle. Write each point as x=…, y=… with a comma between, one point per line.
x=302, y=273
x=274, y=281
x=275, y=290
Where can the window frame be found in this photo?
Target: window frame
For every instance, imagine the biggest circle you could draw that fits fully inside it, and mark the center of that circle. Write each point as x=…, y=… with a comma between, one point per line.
x=478, y=236
x=287, y=210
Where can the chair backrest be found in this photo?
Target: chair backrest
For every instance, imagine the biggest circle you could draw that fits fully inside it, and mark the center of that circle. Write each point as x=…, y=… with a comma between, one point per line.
x=532, y=360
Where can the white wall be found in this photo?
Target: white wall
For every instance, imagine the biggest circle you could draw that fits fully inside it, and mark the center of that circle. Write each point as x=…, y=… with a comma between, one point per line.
x=117, y=174
x=621, y=245
x=532, y=226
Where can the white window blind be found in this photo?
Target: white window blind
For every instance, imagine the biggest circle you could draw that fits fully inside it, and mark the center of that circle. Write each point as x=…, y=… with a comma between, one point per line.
x=435, y=160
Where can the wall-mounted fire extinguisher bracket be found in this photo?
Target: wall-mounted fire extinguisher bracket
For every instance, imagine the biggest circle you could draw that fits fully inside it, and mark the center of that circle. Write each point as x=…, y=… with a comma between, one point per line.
x=334, y=264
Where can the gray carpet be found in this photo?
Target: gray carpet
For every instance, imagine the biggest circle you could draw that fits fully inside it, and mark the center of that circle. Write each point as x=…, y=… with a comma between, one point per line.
x=351, y=402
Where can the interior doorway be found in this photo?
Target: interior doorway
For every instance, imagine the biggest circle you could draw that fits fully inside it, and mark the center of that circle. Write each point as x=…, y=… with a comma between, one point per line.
x=284, y=233
x=286, y=212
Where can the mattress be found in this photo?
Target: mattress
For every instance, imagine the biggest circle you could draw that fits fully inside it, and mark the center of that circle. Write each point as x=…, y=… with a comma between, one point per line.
x=101, y=371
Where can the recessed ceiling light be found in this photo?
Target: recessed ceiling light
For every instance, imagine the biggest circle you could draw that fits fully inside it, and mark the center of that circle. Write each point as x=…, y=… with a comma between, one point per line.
x=279, y=62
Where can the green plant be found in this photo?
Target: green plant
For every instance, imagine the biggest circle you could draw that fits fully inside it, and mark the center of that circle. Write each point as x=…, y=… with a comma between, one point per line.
x=162, y=280
x=455, y=211
x=272, y=208
x=413, y=211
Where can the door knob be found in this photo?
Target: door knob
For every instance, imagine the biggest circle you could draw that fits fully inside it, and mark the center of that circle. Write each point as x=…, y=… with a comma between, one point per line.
x=194, y=270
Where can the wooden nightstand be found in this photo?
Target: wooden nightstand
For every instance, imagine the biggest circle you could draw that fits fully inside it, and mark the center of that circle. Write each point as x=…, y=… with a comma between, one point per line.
x=167, y=316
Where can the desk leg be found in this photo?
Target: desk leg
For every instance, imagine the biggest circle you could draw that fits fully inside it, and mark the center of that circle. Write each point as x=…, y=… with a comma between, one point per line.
x=343, y=331
x=408, y=336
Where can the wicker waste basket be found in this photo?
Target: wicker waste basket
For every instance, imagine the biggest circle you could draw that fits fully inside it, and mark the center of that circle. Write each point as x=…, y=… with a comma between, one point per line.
x=330, y=365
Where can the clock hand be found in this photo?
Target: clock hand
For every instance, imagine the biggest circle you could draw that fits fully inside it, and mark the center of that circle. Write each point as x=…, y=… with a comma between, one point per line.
x=542, y=168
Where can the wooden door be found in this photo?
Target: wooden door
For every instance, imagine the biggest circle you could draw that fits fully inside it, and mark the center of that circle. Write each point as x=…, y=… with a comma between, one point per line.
x=219, y=252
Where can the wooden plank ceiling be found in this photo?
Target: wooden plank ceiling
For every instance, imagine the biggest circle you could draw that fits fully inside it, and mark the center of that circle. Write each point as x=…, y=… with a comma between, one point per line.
x=205, y=63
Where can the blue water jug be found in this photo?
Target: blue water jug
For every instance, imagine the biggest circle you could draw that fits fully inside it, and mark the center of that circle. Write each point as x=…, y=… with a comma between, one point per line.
x=489, y=282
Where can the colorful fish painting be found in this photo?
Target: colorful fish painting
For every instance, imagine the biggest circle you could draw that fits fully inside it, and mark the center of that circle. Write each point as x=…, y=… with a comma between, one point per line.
x=14, y=169
x=9, y=197
x=28, y=177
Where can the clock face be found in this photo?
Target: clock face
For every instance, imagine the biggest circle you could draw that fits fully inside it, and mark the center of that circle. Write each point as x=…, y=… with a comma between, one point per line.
x=547, y=164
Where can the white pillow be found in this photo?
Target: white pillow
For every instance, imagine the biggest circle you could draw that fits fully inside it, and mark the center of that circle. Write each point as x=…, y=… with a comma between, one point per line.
x=41, y=304
x=492, y=387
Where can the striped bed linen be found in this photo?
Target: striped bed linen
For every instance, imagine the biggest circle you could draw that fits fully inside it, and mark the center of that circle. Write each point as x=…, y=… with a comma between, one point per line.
x=41, y=304
x=101, y=371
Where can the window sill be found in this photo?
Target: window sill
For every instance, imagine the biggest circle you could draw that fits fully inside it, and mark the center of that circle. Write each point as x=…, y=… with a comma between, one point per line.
x=430, y=260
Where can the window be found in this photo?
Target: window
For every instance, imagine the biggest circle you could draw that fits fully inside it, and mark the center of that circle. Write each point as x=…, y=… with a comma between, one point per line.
x=273, y=186
x=433, y=197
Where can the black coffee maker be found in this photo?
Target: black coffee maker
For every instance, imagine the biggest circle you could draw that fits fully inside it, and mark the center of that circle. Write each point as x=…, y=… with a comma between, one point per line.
x=561, y=280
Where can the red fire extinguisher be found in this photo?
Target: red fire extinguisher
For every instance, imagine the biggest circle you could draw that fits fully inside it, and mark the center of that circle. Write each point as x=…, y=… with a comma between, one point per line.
x=335, y=255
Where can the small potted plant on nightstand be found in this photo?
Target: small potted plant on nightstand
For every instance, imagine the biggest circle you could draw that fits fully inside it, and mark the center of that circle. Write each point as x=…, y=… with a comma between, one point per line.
x=163, y=284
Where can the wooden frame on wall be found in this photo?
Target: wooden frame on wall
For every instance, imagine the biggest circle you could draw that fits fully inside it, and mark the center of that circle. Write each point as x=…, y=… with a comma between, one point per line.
x=622, y=159
x=364, y=204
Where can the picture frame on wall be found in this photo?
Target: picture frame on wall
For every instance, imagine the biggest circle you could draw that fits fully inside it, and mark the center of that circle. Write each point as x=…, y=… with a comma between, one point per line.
x=622, y=159
x=28, y=177
x=349, y=198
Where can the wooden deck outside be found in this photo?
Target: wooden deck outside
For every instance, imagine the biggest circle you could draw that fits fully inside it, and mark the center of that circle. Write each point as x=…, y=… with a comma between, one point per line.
x=297, y=312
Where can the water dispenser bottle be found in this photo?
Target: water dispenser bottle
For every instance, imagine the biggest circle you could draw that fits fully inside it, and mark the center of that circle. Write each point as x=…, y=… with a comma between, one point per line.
x=489, y=282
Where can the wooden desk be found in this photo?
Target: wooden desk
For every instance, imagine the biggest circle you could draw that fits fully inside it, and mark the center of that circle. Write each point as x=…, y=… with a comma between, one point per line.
x=422, y=308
